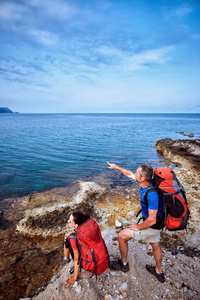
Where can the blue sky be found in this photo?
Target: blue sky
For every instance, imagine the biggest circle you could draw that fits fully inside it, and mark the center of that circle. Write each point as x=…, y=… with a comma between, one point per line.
x=79, y=56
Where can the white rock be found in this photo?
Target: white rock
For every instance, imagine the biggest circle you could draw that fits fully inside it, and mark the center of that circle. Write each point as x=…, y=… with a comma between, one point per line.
x=53, y=278
x=118, y=224
x=75, y=284
x=124, y=286
x=78, y=289
x=108, y=297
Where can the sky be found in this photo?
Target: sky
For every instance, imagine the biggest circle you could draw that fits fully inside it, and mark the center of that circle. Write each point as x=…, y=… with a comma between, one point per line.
x=100, y=56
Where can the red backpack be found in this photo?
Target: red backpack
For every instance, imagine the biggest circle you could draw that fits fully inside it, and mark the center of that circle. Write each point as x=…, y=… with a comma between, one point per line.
x=176, y=211
x=93, y=254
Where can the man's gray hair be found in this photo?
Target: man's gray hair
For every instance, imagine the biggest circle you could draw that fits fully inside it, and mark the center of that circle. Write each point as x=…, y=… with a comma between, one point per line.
x=147, y=172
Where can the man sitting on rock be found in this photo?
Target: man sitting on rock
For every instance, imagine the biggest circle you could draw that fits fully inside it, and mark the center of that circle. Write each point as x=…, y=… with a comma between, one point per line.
x=149, y=230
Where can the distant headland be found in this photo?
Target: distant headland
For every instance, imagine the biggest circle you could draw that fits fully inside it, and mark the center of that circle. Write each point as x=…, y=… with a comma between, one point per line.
x=5, y=110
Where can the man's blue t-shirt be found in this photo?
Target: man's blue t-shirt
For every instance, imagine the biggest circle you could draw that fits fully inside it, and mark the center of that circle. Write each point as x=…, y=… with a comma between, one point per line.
x=154, y=202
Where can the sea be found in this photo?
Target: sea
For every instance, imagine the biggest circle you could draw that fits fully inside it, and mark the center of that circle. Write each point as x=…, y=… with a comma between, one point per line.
x=39, y=152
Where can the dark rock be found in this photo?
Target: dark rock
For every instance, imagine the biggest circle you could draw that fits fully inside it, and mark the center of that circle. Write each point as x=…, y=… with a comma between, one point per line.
x=183, y=133
x=5, y=110
x=1, y=214
x=186, y=149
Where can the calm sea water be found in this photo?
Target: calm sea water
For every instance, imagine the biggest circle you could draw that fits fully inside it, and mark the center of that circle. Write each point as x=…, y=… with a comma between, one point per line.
x=43, y=151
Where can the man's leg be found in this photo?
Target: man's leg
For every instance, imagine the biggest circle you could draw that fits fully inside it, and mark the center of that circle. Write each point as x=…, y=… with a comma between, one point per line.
x=158, y=256
x=123, y=238
x=122, y=264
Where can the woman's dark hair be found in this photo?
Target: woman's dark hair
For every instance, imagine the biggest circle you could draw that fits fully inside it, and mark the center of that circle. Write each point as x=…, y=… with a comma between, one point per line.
x=79, y=217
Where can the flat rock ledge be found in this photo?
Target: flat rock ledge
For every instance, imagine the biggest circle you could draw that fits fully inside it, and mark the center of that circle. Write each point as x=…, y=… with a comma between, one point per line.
x=51, y=221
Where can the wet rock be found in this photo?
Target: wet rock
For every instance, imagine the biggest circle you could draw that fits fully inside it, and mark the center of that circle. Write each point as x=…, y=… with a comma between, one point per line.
x=190, y=134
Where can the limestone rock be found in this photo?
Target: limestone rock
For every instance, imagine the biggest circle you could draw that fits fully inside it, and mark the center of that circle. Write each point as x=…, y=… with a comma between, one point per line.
x=52, y=221
x=118, y=224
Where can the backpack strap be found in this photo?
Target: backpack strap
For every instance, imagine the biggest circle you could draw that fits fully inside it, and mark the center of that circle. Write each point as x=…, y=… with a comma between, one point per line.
x=109, y=261
x=150, y=188
x=139, y=212
x=95, y=263
x=159, y=222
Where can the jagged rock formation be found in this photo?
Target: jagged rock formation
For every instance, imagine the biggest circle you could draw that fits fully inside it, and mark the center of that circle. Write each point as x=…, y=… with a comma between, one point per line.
x=5, y=110
x=181, y=152
x=51, y=221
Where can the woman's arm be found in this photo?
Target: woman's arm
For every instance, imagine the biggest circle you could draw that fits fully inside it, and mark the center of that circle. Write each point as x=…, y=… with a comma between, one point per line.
x=70, y=280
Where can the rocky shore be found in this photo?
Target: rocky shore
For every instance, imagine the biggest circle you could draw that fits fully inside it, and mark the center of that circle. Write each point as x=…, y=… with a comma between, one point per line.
x=32, y=231
x=185, y=153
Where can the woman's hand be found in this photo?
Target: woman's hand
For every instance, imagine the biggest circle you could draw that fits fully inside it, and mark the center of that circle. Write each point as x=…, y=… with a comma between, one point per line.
x=67, y=235
x=69, y=282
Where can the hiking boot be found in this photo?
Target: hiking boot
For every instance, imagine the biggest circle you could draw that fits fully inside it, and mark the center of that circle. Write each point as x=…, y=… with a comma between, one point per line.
x=118, y=265
x=152, y=270
x=65, y=262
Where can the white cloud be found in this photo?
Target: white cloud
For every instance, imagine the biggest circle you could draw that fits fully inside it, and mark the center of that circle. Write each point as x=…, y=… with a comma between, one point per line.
x=10, y=12
x=59, y=10
x=110, y=51
x=149, y=57
x=44, y=37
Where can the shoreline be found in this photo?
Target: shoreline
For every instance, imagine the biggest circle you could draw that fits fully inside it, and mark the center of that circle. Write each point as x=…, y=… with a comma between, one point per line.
x=36, y=246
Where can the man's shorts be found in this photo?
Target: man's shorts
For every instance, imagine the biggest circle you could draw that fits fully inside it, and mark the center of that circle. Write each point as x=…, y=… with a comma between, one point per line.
x=149, y=235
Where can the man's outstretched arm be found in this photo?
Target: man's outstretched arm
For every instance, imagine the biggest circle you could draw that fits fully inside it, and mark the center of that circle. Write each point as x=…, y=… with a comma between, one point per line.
x=123, y=171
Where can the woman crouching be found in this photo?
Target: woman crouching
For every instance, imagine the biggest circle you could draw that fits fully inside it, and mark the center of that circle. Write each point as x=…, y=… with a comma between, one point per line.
x=71, y=245
x=86, y=247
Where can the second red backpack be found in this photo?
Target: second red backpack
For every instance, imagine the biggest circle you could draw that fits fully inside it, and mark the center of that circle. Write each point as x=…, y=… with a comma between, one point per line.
x=93, y=254
x=176, y=212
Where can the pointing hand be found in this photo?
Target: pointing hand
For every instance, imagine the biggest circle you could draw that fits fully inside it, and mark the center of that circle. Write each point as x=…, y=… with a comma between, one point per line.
x=111, y=166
